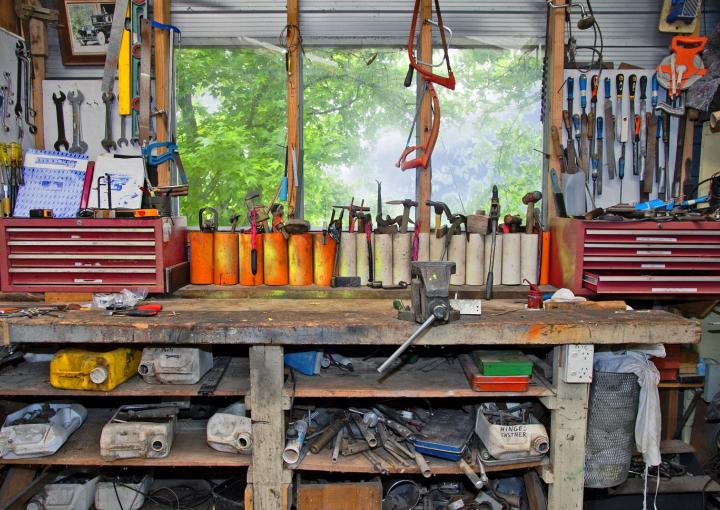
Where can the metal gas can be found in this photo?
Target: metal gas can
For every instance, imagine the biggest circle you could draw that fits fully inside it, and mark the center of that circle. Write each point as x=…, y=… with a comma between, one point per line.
x=174, y=365
x=39, y=430
x=139, y=431
x=229, y=430
x=124, y=493
x=80, y=369
x=68, y=493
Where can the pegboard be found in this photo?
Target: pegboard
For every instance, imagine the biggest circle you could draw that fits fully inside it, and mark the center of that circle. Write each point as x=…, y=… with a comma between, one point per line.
x=631, y=183
x=8, y=68
x=92, y=116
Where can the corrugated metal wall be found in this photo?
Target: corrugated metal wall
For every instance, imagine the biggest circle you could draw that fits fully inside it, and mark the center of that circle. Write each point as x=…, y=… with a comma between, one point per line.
x=629, y=27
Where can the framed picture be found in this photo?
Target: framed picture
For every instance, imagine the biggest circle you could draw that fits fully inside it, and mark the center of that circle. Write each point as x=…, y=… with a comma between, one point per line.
x=84, y=30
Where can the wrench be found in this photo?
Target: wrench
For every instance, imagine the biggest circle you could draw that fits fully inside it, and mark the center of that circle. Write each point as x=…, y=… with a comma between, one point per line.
x=24, y=59
x=123, y=139
x=76, y=98
x=6, y=100
x=61, y=140
x=108, y=142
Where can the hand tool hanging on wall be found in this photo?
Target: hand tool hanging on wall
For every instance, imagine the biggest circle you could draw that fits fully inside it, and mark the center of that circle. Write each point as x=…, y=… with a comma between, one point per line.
x=610, y=129
x=144, y=82
x=658, y=128
x=427, y=148
x=652, y=147
x=582, y=132
x=636, y=143
x=679, y=156
x=598, y=159
x=559, y=149
x=138, y=12
x=112, y=57
x=24, y=95
x=384, y=225
x=619, y=113
x=76, y=99
x=593, y=113
x=680, y=69
x=632, y=86
x=61, y=142
x=580, y=139
x=645, y=173
x=621, y=161
x=663, y=186
x=570, y=86
x=557, y=192
x=415, y=65
x=494, y=216
x=171, y=154
x=571, y=154
x=124, y=95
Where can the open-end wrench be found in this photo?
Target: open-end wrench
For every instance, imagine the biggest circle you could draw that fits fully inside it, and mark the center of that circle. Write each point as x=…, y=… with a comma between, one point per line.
x=123, y=139
x=61, y=139
x=108, y=143
x=24, y=61
x=76, y=98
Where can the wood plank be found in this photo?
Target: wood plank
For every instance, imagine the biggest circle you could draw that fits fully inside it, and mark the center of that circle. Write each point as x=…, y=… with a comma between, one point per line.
x=33, y=379
x=359, y=464
x=677, y=485
x=8, y=19
x=534, y=491
x=315, y=292
x=356, y=322
x=293, y=95
x=161, y=14
x=425, y=379
x=266, y=397
x=16, y=480
x=675, y=446
x=554, y=91
x=340, y=496
x=423, y=176
x=189, y=449
x=39, y=52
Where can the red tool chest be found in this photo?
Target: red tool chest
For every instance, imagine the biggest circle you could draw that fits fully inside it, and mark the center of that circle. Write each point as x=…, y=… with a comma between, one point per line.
x=92, y=255
x=635, y=257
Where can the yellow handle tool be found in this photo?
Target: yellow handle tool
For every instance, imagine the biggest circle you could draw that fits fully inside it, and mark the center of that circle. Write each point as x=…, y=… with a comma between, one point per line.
x=124, y=93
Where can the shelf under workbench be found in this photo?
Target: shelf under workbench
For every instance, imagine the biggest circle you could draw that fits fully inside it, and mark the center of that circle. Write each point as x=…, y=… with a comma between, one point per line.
x=189, y=448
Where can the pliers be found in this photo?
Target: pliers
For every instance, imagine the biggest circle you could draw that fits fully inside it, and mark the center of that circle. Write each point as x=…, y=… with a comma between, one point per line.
x=150, y=310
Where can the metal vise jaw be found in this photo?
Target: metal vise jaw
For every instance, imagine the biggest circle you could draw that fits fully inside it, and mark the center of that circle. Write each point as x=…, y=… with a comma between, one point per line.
x=430, y=288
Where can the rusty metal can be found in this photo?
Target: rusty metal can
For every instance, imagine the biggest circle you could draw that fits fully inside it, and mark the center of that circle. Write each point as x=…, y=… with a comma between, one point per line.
x=323, y=259
x=275, y=259
x=246, y=275
x=300, y=257
x=226, y=259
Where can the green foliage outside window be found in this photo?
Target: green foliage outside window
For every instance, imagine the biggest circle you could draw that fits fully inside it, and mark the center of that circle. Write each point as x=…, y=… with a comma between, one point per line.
x=357, y=115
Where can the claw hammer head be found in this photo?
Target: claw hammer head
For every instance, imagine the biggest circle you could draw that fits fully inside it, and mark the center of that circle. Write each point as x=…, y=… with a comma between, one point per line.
x=440, y=208
x=407, y=204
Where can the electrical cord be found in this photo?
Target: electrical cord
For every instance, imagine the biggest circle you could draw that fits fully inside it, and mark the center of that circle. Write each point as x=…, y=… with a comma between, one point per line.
x=595, y=51
x=192, y=499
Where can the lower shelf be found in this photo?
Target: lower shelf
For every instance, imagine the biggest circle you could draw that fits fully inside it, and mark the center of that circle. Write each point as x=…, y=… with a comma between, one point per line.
x=359, y=464
x=189, y=448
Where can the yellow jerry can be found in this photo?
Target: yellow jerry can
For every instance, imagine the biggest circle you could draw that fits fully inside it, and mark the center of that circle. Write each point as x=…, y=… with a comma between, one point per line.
x=78, y=369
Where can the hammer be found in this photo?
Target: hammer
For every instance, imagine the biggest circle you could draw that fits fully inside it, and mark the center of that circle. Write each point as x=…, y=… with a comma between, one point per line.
x=530, y=199
x=440, y=208
x=407, y=204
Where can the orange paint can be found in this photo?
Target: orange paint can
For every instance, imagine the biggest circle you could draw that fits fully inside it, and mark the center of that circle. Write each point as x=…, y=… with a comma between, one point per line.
x=545, y=259
x=201, y=257
x=300, y=257
x=226, y=259
x=323, y=259
x=275, y=259
x=246, y=276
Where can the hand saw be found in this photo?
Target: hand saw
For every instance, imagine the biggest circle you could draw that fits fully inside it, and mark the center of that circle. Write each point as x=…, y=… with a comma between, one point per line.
x=610, y=129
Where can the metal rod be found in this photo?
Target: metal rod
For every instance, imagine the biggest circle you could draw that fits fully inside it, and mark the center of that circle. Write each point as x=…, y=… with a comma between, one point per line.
x=395, y=355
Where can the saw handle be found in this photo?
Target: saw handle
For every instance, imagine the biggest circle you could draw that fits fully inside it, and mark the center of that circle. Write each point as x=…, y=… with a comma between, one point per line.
x=643, y=88
x=619, y=83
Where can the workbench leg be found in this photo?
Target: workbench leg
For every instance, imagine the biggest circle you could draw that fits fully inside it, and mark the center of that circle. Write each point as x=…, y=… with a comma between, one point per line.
x=568, y=430
x=266, y=388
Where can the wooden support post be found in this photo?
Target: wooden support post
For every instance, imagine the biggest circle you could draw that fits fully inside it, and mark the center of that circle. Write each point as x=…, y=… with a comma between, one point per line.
x=423, y=176
x=266, y=398
x=8, y=19
x=161, y=14
x=293, y=96
x=554, y=90
x=687, y=149
x=568, y=430
x=39, y=52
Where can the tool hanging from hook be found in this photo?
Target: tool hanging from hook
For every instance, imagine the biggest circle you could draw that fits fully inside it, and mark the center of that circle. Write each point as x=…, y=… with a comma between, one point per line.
x=423, y=160
x=446, y=81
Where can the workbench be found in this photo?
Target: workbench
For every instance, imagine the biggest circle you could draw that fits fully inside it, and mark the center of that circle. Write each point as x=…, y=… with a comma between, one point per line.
x=267, y=326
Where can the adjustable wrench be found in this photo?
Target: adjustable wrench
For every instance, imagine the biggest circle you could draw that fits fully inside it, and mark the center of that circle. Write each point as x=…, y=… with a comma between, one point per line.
x=61, y=139
x=76, y=98
x=108, y=143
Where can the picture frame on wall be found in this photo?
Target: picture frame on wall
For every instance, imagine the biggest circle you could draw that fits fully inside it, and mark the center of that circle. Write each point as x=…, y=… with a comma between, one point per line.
x=84, y=30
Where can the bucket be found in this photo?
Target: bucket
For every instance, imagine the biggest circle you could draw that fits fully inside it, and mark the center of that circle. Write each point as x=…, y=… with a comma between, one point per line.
x=245, y=246
x=201, y=257
x=226, y=259
x=300, y=258
x=323, y=259
x=275, y=257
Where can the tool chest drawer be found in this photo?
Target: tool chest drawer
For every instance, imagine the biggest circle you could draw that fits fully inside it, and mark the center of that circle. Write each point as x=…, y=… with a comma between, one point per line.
x=636, y=257
x=90, y=255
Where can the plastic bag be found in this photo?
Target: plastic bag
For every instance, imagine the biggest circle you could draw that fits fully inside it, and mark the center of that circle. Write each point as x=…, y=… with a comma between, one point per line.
x=124, y=299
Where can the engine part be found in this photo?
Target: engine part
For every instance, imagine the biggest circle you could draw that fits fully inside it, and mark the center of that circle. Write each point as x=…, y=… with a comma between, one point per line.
x=230, y=430
x=509, y=434
x=174, y=365
x=122, y=493
x=402, y=494
x=139, y=431
x=68, y=493
x=39, y=430
x=80, y=369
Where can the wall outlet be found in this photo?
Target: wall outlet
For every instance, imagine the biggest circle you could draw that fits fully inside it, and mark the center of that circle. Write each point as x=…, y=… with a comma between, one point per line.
x=578, y=363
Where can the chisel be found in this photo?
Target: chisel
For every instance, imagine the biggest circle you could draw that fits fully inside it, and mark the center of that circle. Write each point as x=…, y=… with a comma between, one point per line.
x=599, y=157
x=610, y=123
x=658, y=126
x=571, y=156
x=643, y=127
x=662, y=187
x=576, y=129
x=619, y=82
x=559, y=197
x=651, y=160
x=583, y=142
x=679, y=156
x=621, y=162
x=631, y=119
x=559, y=149
x=594, y=82
x=636, y=143
x=570, y=94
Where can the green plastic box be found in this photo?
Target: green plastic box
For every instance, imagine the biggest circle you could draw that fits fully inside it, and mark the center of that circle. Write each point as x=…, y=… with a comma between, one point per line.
x=495, y=363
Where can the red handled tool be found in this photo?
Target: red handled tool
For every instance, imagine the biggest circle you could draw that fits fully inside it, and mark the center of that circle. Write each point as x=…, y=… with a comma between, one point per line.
x=416, y=242
x=427, y=149
x=253, y=241
x=149, y=310
x=446, y=81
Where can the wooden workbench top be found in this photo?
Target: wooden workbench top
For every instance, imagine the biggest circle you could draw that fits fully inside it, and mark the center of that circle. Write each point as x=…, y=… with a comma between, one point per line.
x=348, y=321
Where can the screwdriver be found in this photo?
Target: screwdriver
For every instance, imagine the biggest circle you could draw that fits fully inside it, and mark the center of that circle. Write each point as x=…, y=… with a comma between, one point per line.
x=570, y=94
x=619, y=82
x=576, y=125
